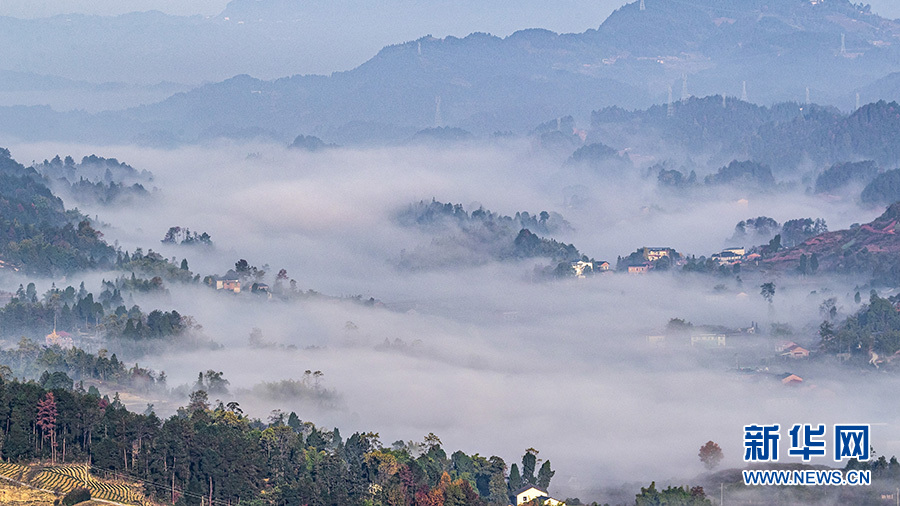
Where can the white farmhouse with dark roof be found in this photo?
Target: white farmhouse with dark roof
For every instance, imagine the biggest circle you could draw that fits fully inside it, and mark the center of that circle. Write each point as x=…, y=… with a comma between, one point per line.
x=530, y=493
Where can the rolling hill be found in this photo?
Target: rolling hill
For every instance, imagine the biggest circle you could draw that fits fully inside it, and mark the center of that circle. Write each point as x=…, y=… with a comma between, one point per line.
x=872, y=248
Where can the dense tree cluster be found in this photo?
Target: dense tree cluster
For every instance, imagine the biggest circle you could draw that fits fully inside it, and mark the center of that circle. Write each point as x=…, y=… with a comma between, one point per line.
x=106, y=193
x=529, y=245
x=794, y=232
x=69, y=310
x=440, y=215
x=840, y=175
x=884, y=189
x=875, y=328
x=705, y=265
x=482, y=236
x=39, y=235
x=599, y=156
x=743, y=174
x=95, y=179
x=92, y=168
x=153, y=264
x=781, y=136
x=184, y=237
x=674, y=496
x=673, y=178
x=218, y=452
x=755, y=230
x=61, y=368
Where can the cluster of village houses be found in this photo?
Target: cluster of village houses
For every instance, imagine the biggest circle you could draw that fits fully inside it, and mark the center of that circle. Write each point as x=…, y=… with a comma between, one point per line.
x=651, y=255
x=701, y=337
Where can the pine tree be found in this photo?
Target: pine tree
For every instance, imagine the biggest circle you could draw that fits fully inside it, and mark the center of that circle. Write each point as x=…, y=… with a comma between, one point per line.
x=545, y=474
x=529, y=462
x=515, y=479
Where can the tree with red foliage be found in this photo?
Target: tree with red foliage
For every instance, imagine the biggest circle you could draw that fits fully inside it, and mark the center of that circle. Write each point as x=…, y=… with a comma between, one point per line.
x=46, y=421
x=710, y=454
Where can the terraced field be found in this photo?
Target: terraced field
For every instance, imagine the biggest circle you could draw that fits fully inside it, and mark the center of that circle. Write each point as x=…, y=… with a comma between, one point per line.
x=62, y=479
x=15, y=471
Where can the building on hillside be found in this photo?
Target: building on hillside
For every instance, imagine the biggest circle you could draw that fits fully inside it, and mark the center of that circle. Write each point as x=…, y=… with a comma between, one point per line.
x=727, y=258
x=530, y=493
x=791, y=379
x=784, y=345
x=61, y=339
x=795, y=351
x=654, y=254
x=708, y=340
x=232, y=285
x=638, y=269
x=582, y=268
x=602, y=266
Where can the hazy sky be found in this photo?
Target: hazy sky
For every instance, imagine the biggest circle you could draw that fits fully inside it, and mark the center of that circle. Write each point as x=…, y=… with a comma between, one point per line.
x=494, y=17
x=548, y=13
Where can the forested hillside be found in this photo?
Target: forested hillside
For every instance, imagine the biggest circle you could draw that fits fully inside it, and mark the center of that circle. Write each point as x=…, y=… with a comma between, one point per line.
x=39, y=235
x=211, y=450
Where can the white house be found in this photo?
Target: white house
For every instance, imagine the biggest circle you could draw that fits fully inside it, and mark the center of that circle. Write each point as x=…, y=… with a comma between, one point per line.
x=530, y=493
x=581, y=267
x=707, y=339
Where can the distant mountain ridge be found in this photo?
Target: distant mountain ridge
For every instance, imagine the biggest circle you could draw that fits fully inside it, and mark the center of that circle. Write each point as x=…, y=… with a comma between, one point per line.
x=784, y=135
x=485, y=83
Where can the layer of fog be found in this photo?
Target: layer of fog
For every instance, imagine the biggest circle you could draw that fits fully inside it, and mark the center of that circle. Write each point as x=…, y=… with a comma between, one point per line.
x=489, y=358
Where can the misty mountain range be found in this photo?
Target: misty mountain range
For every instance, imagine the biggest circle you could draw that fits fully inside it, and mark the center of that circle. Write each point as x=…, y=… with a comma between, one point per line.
x=774, y=51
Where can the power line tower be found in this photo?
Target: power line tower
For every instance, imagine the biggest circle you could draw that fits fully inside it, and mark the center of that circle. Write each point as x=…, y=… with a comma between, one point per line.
x=857, y=100
x=744, y=92
x=671, y=109
x=643, y=7
x=438, y=121
x=843, y=44
x=684, y=93
x=724, y=105
x=807, y=95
